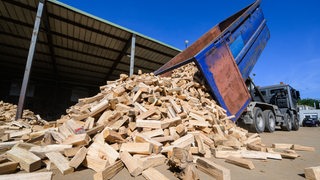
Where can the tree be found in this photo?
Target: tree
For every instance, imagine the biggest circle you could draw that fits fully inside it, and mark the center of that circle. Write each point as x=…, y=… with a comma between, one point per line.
x=309, y=102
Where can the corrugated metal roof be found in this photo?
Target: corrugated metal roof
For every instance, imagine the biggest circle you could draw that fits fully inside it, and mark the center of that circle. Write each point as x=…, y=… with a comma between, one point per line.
x=72, y=45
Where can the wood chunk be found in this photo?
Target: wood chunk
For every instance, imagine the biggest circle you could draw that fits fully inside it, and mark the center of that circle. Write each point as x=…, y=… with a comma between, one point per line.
x=20, y=133
x=148, y=124
x=282, y=146
x=146, y=114
x=112, y=154
x=109, y=171
x=312, y=173
x=27, y=160
x=256, y=147
x=95, y=163
x=88, y=123
x=213, y=169
x=156, y=146
x=152, y=161
x=298, y=147
x=78, y=158
x=8, y=145
x=29, y=176
x=77, y=139
x=60, y=161
x=99, y=107
x=226, y=153
x=8, y=167
x=196, y=116
x=136, y=96
x=153, y=133
x=118, y=123
x=170, y=122
x=163, y=139
x=175, y=106
x=131, y=163
x=42, y=150
x=254, y=155
x=104, y=117
x=111, y=136
x=240, y=162
x=95, y=130
x=136, y=148
x=289, y=155
x=70, y=152
x=200, y=144
x=153, y=174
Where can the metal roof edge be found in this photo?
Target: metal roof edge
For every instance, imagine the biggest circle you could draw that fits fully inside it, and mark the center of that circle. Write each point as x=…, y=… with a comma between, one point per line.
x=113, y=24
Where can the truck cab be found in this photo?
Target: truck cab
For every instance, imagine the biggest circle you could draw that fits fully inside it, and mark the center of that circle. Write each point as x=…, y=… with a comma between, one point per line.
x=278, y=106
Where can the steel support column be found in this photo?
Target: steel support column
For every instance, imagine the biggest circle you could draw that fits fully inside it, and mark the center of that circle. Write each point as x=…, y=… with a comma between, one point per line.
x=29, y=60
x=133, y=48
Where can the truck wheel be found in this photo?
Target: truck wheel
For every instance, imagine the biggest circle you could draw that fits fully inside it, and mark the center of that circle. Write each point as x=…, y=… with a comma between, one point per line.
x=295, y=124
x=258, y=124
x=287, y=124
x=270, y=120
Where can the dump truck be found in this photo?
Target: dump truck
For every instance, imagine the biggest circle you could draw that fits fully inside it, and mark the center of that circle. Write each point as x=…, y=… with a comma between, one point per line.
x=225, y=57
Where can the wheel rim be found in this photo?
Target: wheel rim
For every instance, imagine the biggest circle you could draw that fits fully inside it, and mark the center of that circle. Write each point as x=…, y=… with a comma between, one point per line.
x=272, y=121
x=260, y=121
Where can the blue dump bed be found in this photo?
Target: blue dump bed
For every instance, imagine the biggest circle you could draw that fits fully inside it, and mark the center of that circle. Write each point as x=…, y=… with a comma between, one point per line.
x=225, y=55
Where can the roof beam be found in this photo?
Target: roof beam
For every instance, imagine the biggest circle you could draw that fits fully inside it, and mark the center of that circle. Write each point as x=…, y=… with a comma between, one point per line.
x=82, y=41
x=17, y=3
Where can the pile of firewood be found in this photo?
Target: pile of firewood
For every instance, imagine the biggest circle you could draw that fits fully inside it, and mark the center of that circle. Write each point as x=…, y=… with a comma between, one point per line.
x=139, y=122
x=8, y=114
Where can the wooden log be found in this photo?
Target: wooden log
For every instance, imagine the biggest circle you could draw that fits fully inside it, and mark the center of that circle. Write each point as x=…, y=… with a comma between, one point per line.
x=131, y=163
x=42, y=150
x=146, y=114
x=154, y=124
x=152, y=161
x=298, y=147
x=20, y=133
x=240, y=162
x=60, y=161
x=213, y=169
x=118, y=123
x=312, y=173
x=95, y=129
x=77, y=139
x=109, y=171
x=153, y=133
x=163, y=139
x=111, y=136
x=112, y=154
x=70, y=152
x=8, y=167
x=95, y=163
x=99, y=107
x=282, y=146
x=156, y=146
x=78, y=158
x=8, y=145
x=153, y=174
x=170, y=122
x=136, y=148
x=29, y=176
x=200, y=144
x=175, y=106
x=27, y=160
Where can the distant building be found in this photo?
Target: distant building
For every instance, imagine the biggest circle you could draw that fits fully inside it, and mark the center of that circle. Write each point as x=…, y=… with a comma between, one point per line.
x=308, y=111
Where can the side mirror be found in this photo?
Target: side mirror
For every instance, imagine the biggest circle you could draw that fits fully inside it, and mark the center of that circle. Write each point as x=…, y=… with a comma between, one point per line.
x=298, y=94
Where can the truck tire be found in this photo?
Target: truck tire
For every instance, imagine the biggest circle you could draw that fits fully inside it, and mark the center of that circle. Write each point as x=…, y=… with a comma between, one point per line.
x=258, y=124
x=270, y=120
x=295, y=124
x=287, y=124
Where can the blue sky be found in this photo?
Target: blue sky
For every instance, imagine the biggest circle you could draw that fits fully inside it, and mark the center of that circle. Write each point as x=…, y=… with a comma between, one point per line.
x=292, y=54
